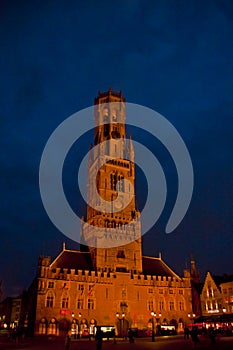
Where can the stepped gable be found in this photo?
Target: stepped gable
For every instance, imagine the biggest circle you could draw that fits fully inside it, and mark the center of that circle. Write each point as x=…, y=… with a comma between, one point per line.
x=73, y=259
x=156, y=267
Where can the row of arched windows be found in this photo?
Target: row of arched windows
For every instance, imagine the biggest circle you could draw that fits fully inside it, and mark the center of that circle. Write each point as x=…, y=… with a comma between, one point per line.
x=113, y=224
x=65, y=301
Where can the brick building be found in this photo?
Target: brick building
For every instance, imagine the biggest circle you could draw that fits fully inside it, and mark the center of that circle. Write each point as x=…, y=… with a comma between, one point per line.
x=110, y=283
x=217, y=295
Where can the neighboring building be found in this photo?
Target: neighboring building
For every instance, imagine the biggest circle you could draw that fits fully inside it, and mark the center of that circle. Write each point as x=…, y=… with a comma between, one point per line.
x=217, y=296
x=16, y=311
x=227, y=293
x=5, y=312
x=10, y=312
x=109, y=284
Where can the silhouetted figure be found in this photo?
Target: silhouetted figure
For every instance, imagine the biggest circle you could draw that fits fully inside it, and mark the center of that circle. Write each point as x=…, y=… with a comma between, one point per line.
x=130, y=336
x=186, y=333
x=194, y=336
x=212, y=335
x=99, y=338
x=67, y=341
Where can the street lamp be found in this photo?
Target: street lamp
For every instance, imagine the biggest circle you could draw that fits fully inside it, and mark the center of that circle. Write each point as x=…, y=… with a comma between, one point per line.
x=192, y=316
x=153, y=326
x=121, y=319
x=157, y=323
x=79, y=325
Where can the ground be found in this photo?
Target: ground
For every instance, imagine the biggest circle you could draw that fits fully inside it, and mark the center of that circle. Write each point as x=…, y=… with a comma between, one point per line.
x=161, y=343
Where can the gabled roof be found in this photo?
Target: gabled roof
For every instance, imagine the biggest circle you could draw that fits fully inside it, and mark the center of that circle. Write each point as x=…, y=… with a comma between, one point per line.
x=73, y=259
x=156, y=267
x=217, y=280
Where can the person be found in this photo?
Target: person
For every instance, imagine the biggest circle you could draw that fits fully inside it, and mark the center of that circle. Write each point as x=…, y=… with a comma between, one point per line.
x=99, y=338
x=67, y=341
x=212, y=335
x=130, y=336
x=186, y=333
x=194, y=336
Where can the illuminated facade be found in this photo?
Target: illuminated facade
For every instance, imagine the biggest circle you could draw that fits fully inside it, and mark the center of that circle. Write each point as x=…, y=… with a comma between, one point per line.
x=217, y=295
x=109, y=284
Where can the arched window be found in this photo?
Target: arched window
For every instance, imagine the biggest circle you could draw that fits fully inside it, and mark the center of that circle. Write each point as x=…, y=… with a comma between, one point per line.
x=80, y=303
x=52, y=329
x=113, y=181
x=43, y=326
x=65, y=301
x=50, y=299
x=121, y=184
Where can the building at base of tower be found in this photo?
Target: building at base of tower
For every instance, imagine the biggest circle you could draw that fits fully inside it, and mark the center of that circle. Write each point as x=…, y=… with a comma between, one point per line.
x=73, y=295
x=110, y=283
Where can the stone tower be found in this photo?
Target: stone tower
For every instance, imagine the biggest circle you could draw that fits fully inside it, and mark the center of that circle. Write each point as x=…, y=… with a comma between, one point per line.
x=112, y=228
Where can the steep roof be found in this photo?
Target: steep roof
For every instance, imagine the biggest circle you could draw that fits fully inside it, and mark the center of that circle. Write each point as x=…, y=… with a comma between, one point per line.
x=156, y=267
x=73, y=259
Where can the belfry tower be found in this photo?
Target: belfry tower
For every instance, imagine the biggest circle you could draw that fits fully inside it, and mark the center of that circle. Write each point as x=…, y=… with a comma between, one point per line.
x=112, y=228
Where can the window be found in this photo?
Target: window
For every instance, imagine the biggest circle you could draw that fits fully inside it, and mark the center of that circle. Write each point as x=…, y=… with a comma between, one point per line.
x=181, y=306
x=171, y=305
x=80, y=303
x=150, y=290
x=81, y=287
x=171, y=291
x=224, y=291
x=181, y=291
x=51, y=284
x=150, y=305
x=49, y=300
x=230, y=291
x=113, y=181
x=161, y=305
x=90, y=304
x=160, y=291
x=65, y=302
x=121, y=184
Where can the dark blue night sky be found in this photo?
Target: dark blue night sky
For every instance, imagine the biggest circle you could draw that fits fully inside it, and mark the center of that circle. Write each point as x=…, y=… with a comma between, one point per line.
x=172, y=56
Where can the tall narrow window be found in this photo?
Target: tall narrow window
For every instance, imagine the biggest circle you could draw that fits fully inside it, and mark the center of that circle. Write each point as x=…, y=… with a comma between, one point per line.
x=90, y=304
x=80, y=303
x=181, y=306
x=65, y=301
x=113, y=181
x=161, y=305
x=171, y=306
x=50, y=300
x=150, y=305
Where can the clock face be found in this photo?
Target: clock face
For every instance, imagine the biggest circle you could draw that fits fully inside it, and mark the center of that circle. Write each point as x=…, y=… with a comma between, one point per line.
x=118, y=204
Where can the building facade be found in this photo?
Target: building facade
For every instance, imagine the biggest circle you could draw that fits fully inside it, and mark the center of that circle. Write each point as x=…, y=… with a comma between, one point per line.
x=217, y=295
x=111, y=283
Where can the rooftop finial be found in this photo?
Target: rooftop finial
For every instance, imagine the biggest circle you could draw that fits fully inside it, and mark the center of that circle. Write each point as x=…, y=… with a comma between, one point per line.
x=160, y=255
x=64, y=245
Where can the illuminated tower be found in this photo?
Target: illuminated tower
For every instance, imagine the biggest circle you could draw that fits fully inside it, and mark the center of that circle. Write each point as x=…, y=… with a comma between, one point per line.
x=111, y=214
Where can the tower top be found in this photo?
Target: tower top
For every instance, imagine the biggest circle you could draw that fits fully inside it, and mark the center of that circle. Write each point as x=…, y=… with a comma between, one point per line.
x=109, y=96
